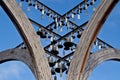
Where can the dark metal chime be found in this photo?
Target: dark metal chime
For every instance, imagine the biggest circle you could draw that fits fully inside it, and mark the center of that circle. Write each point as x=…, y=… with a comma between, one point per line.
x=42, y=33
x=68, y=43
x=79, y=34
x=54, y=50
x=51, y=61
x=60, y=45
x=57, y=67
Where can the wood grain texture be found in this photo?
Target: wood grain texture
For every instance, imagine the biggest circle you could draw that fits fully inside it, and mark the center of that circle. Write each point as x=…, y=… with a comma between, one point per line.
x=16, y=55
x=81, y=54
x=38, y=58
x=97, y=58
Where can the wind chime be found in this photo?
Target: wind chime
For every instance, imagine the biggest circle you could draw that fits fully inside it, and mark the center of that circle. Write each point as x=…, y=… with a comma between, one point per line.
x=65, y=44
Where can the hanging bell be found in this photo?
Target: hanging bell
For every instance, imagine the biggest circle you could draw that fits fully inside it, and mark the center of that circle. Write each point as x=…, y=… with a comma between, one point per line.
x=68, y=25
x=29, y=3
x=86, y=6
x=79, y=34
x=73, y=14
x=49, y=36
x=42, y=33
x=54, y=50
x=56, y=19
x=35, y=4
x=66, y=19
x=53, y=41
x=51, y=61
x=23, y=47
x=60, y=45
x=66, y=48
x=96, y=43
x=103, y=46
x=80, y=9
x=63, y=67
x=62, y=23
x=42, y=12
x=66, y=72
x=99, y=45
x=55, y=77
x=51, y=29
x=48, y=13
x=59, y=67
x=92, y=2
x=69, y=42
x=73, y=49
x=39, y=32
x=53, y=71
x=73, y=36
x=78, y=16
x=68, y=64
x=61, y=29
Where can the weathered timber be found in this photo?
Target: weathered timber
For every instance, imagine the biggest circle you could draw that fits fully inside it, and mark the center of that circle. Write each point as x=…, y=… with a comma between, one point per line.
x=38, y=58
x=99, y=57
x=81, y=54
x=16, y=54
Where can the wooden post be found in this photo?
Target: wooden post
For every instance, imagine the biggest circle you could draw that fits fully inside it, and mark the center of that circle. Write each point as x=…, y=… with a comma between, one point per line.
x=39, y=60
x=81, y=54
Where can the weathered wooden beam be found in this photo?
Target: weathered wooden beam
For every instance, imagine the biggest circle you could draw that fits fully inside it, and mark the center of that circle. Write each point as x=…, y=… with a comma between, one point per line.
x=81, y=54
x=99, y=57
x=39, y=60
x=18, y=55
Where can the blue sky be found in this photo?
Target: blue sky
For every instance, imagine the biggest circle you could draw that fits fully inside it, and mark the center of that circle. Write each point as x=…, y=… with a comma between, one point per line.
x=10, y=38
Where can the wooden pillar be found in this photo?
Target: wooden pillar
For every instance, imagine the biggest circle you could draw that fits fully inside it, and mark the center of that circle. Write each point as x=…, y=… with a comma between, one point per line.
x=81, y=54
x=37, y=53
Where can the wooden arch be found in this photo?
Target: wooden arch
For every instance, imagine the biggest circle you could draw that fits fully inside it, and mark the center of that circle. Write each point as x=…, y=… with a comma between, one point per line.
x=24, y=27
x=38, y=59
x=96, y=58
x=18, y=55
x=81, y=54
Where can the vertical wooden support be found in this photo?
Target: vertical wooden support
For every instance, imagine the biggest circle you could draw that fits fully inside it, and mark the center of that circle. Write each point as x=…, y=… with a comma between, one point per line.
x=81, y=54
x=39, y=60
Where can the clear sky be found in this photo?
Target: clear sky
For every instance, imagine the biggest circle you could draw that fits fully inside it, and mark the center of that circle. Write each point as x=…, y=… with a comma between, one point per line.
x=15, y=70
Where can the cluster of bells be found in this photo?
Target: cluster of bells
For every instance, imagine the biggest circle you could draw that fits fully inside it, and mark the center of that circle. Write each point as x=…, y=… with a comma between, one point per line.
x=59, y=21
x=57, y=67
x=100, y=44
x=67, y=44
x=43, y=34
x=38, y=6
x=44, y=10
